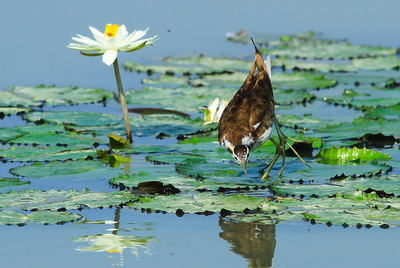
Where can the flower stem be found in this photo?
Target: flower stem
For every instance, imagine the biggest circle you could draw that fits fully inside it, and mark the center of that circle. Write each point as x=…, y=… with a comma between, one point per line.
x=123, y=102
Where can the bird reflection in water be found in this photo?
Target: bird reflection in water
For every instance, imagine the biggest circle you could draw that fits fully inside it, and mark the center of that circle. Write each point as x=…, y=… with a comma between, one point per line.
x=254, y=241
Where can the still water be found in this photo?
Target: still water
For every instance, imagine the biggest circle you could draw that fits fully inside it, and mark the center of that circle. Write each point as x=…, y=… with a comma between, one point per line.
x=34, y=36
x=195, y=241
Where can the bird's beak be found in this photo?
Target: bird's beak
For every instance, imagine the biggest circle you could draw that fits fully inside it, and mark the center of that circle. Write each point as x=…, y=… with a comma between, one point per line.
x=243, y=163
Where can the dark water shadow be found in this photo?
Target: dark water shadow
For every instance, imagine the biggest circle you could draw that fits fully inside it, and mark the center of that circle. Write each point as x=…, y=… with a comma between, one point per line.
x=254, y=241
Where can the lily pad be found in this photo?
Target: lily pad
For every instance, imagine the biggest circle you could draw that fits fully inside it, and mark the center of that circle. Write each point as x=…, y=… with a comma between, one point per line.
x=200, y=202
x=7, y=134
x=62, y=199
x=56, y=139
x=57, y=168
x=358, y=128
x=380, y=63
x=13, y=110
x=7, y=182
x=9, y=99
x=343, y=155
x=45, y=153
x=52, y=217
x=176, y=158
x=63, y=95
x=74, y=118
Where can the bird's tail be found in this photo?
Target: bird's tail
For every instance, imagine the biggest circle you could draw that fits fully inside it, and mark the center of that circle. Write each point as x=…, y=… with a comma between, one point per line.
x=267, y=62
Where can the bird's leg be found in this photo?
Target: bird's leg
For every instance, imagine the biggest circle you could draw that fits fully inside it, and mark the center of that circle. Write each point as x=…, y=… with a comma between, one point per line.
x=283, y=139
x=278, y=153
x=280, y=150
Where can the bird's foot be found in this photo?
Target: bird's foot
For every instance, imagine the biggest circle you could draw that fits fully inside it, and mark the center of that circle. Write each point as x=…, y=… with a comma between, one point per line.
x=280, y=150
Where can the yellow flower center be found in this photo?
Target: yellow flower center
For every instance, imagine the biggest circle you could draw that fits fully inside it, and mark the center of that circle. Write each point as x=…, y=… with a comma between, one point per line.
x=111, y=30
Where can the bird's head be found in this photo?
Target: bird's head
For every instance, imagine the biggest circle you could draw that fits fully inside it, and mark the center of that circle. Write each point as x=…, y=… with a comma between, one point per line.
x=241, y=154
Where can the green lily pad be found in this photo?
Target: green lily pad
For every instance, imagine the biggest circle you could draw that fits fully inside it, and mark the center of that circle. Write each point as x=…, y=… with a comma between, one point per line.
x=117, y=142
x=301, y=80
x=63, y=95
x=168, y=125
x=56, y=139
x=57, y=168
x=343, y=155
x=190, y=99
x=287, y=97
x=52, y=217
x=11, y=217
x=45, y=153
x=363, y=77
x=62, y=199
x=315, y=65
x=216, y=63
x=390, y=113
x=165, y=175
x=74, y=118
x=309, y=46
x=199, y=202
x=358, y=128
x=176, y=158
x=364, y=98
x=9, y=99
x=13, y=110
x=7, y=182
x=7, y=134
x=380, y=63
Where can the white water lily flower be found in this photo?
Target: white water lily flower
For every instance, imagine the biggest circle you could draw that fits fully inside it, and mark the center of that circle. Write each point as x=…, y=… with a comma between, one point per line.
x=114, y=39
x=214, y=111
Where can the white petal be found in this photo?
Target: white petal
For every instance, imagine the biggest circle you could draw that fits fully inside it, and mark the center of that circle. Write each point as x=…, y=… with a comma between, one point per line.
x=85, y=40
x=110, y=56
x=119, y=35
x=213, y=109
x=99, y=36
x=123, y=31
x=134, y=44
x=134, y=36
x=112, y=43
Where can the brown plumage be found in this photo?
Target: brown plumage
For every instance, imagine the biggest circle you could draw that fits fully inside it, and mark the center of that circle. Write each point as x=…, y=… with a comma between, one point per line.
x=247, y=121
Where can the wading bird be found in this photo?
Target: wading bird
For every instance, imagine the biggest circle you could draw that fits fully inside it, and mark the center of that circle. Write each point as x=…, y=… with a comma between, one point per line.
x=247, y=121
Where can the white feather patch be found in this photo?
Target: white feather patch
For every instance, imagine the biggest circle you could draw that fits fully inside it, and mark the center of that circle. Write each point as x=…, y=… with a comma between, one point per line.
x=268, y=65
x=226, y=144
x=263, y=138
x=256, y=125
x=248, y=140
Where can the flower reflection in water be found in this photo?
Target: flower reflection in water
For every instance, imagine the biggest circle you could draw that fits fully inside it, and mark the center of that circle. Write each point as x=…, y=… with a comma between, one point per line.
x=114, y=243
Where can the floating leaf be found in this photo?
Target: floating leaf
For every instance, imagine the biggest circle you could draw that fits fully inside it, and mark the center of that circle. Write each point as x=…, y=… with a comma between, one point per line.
x=62, y=199
x=117, y=142
x=56, y=139
x=300, y=80
x=359, y=127
x=176, y=158
x=343, y=155
x=63, y=95
x=52, y=217
x=7, y=134
x=389, y=113
x=200, y=202
x=9, y=99
x=10, y=217
x=7, y=182
x=13, y=110
x=38, y=153
x=380, y=63
x=56, y=168
x=74, y=118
